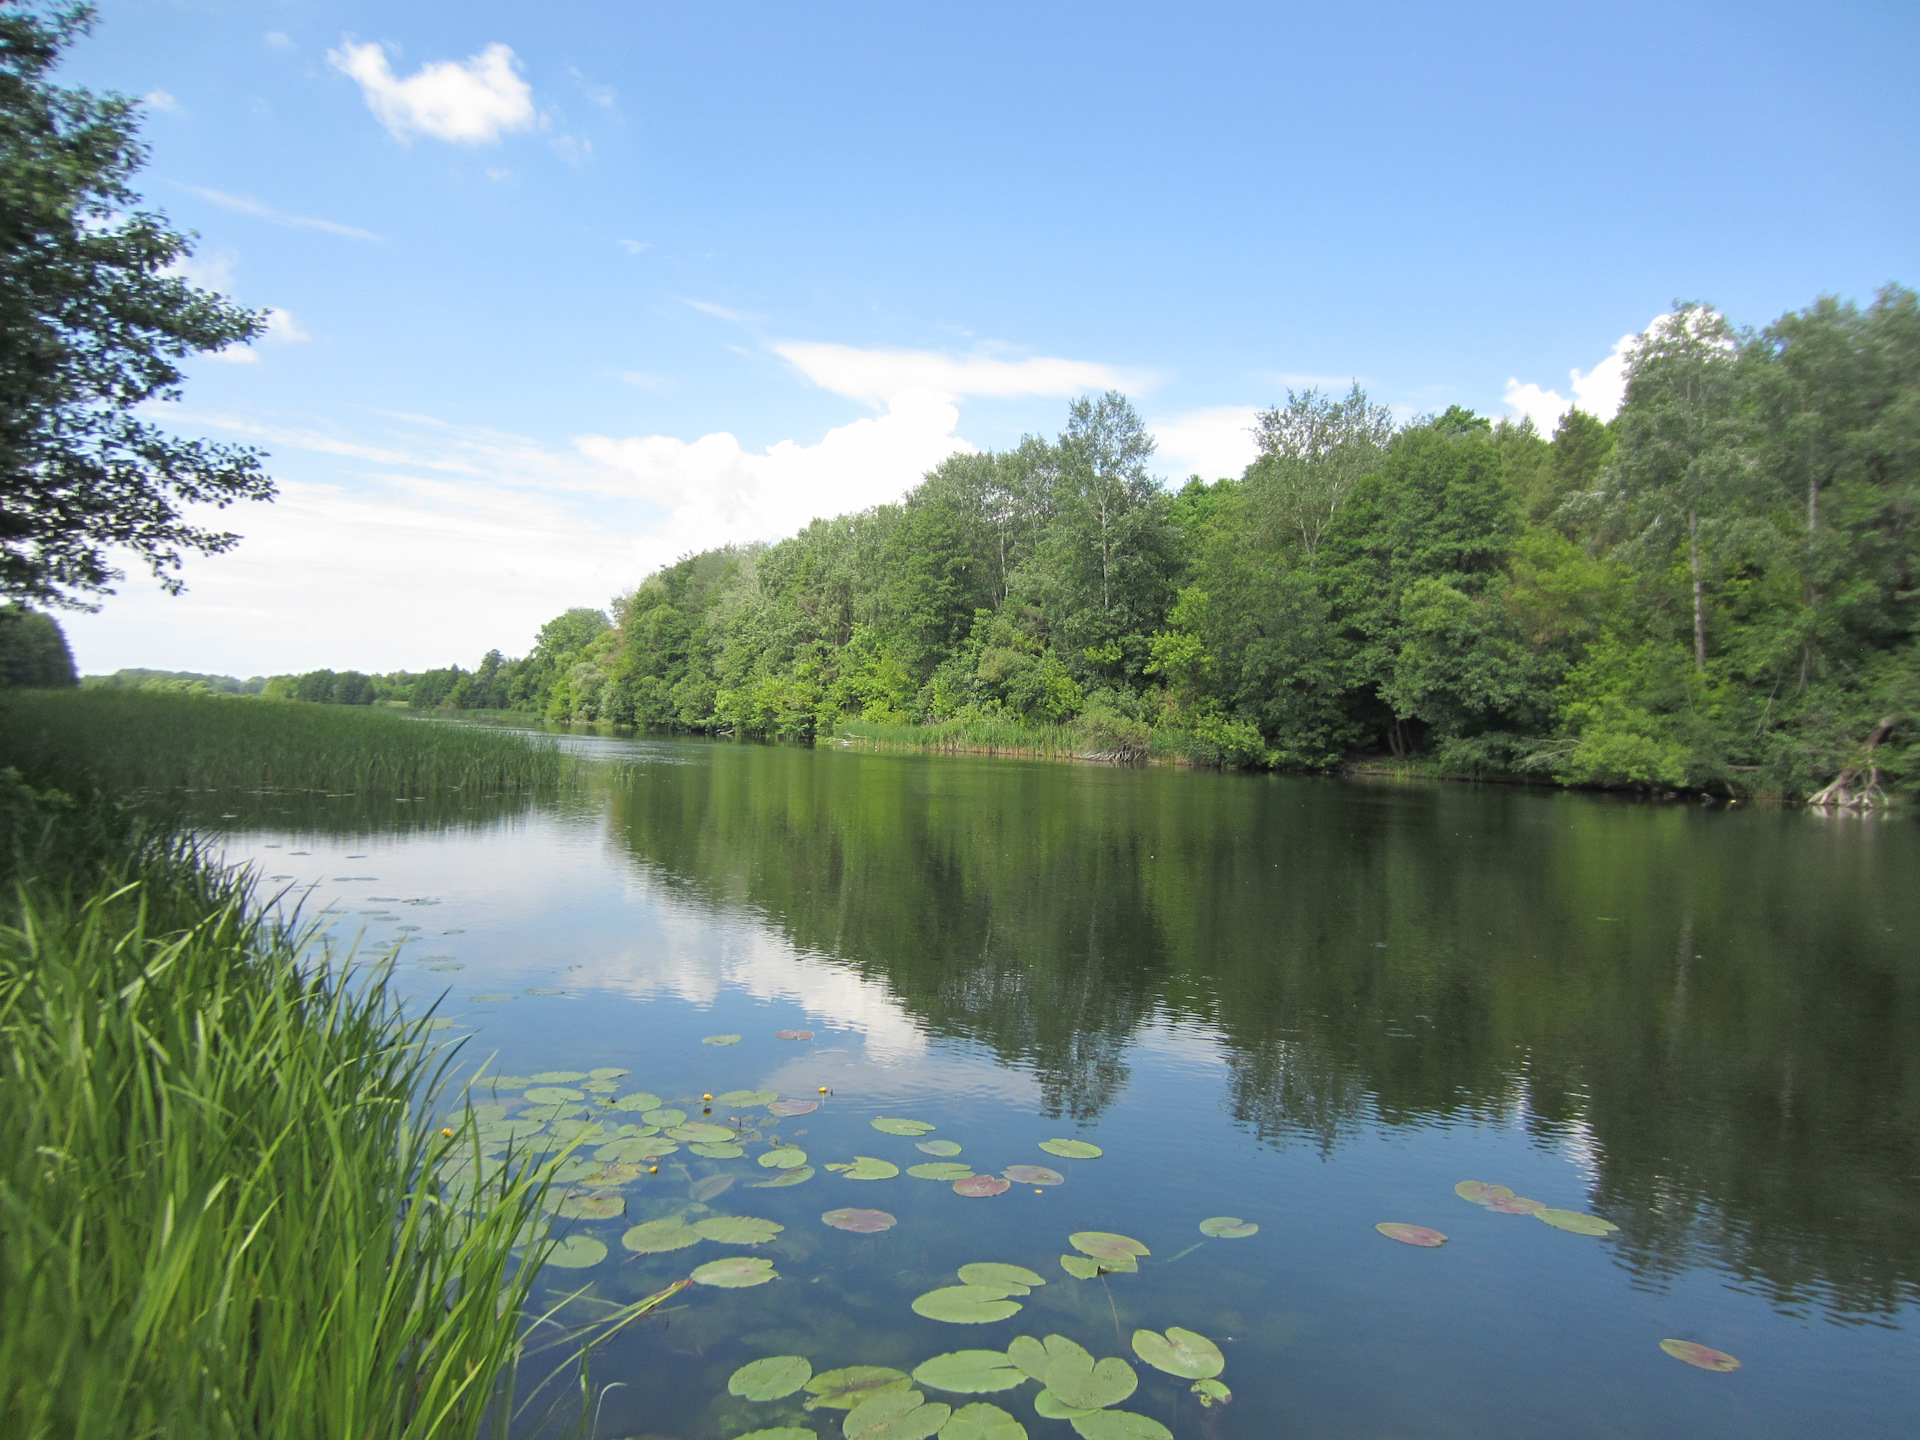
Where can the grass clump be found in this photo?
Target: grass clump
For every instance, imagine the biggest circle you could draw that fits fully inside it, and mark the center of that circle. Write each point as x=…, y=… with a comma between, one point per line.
x=971, y=737
x=131, y=741
x=220, y=1205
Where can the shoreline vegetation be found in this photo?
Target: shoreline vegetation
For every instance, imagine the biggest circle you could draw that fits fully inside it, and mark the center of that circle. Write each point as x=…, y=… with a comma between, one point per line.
x=229, y=1209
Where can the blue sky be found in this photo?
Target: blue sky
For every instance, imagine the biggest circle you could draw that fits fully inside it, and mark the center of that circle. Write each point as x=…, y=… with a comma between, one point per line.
x=564, y=291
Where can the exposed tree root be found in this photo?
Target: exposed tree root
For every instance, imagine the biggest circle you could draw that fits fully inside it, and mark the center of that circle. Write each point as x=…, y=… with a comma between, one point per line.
x=1843, y=793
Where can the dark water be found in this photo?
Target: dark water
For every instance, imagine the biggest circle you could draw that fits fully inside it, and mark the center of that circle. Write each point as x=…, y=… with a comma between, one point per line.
x=1311, y=1004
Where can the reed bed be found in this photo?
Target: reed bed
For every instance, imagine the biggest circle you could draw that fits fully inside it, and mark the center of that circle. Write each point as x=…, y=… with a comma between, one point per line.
x=971, y=737
x=130, y=742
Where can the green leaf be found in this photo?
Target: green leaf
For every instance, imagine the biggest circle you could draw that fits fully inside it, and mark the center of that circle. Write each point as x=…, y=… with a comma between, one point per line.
x=1211, y=1393
x=560, y=1077
x=607, y=1072
x=781, y=1432
x=938, y=1147
x=992, y=1272
x=1048, y=1407
x=1080, y=1267
x=577, y=1252
x=901, y=1127
x=896, y=1415
x=736, y=1272
x=596, y=1205
x=1090, y=1387
x=665, y=1118
x=737, y=1229
x=845, y=1388
x=940, y=1170
x=860, y=1222
x=981, y=1421
x=708, y=1188
x=639, y=1100
x=656, y=1237
x=1576, y=1221
x=490, y=999
x=1119, y=1425
x=1072, y=1149
x=717, y=1152
x=865, y=1167
x=1033, y=1175
x=1481, y=1193
x=770, y=1379
x=1228, y=1227
x=784, y=1157
x=720, y=1040
x=969, y=1372
x=634, y=1150
x=784, y=1178
x=966, y=1304
x=747, y=1097
x=1181, y=1353
x=1028, y=1356
x=1105, y=1246
x=701, y=1130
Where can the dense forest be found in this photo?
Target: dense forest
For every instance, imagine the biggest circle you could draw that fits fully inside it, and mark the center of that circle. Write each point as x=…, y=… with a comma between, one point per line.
x=1715, y=590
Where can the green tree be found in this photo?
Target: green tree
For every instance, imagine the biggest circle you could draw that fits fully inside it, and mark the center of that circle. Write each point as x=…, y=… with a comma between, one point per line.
x=33, y=651
x=93, y=323
x=1313, y=450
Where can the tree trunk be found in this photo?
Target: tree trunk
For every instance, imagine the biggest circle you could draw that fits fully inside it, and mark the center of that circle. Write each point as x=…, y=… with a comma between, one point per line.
x=1841, y=793
x=1699, y=592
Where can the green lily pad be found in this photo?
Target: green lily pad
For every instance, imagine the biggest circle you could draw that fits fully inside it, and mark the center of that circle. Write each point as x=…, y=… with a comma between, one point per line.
x=706, y=1189
x=901, y=1127
x=489, y=999
x=607, y=1072
x=591, y=1205
x=1228, y=1227
x=567, y=1171
x=1072, y=1149
x=505, y=1082
x=981, y=1187
x=1029, y=1356
x=1411, y=1234
x=577, y=1252
x=784, y=1178
x=784, y=1157
x=545, y=990
x=788, y=1108
x=560, y=1077
x=1033, y=1175
x=1516, y=1205
x=666, y=1119
x=717, y=1152
x=1105, y=1246
x=938, y=1147
x=1705, y=1357
x=736, y=1272
x=1081, y=1385
x=600, y=1087
x=896, y=1415
x=634, y=1149
x=701, y=1130
x=771, y=1379
x=967, y=1304
x=541, y=1113
x=1212, y=1392
x=657, y=1237
x=1181, y=1353
x=1576, y=1221
x=845, y=1388
x=865, y=1167
x=981, y=1421
x=482, y=1114
x=1119, y=1425
x=1481, y=1193
x=1048, y=1407
x=940, y=1170
x=992, y=1272
x=639, y=1100
x=781, y=1432
x=969, y=1372
x=1080, y=1267
x=860, y=1222
x=747, y=1097
x=587, y=1132
x=720, y=1040
x=737, y=1229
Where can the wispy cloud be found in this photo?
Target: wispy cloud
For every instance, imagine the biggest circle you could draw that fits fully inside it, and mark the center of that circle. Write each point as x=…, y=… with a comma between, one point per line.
x=633, y=247
x=877, y=376
x=161, y=100
x=242, y=205
x=1214, y=444
x=473, y=102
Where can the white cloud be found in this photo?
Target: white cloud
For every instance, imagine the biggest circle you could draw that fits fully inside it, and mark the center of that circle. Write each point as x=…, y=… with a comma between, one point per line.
x=279, y=40
x=1212, y=443
x=283, y=329
x=161, y=100
x=470, y=103
x=242, y=205
x=211, y=270
x=633, y=247
x=878, y=376
x=1598, y=391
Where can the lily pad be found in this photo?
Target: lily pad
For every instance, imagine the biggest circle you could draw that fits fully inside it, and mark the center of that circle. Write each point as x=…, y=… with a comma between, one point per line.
x=1080, y=1267
x=577, y=1252
x=940, y=1170
x=938, y=1147
x=865, y=1167
x=737, y=1229
x=845, y=1388
x=505, y=1082
x=1481, y=1193
x=717, y=1152
x=1029, y=1356
x=746, y=1097
x=1033, y=1175
x=657, y=1237
x=966, y=1304
x=992, y=1272
x=771, y=1379
x=552, y=1112
x=1704, y=1356
x=896, y=1415
x=969, y=1372
x=793, y=1034
x=1212, y=1392
x=665, y=1118
x=711, y=1186
x=1119, y=1425
x=1410, y=1234
x=1072, y=1149
x=901, y=1127
x=1228, y=1227
x=736, y=1272
x=607, y=1072
x=720, y=1040
x=784, y=1178
x=1079, y=1383
x=639, y=1100
x=700, y=1130
x=591, y=1205
x=560, y=1077
x=860, y=1222
x=545, y=990
x=1048, y=1407
x=634, y=1149
x=1181, y=1353
x=587, y=1132
x=1104, y=1245
x=979, y=1187
x=781, y=1432
x=981, y=1421
x=1576, y=1221
x=1518, y=1205
x=489, y=999
x=784, y=1157
x=785, y=1108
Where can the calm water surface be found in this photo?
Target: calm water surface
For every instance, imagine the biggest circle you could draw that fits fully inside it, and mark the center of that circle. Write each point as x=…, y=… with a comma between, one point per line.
x=1311, y=1004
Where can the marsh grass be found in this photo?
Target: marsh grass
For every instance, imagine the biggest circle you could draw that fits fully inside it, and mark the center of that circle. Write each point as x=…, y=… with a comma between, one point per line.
x=129, y=742
x=971, y=737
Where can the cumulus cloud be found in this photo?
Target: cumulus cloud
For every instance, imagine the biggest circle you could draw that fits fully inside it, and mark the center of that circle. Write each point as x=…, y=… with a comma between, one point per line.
x=468, y=103
x=1213, y=443
x=161, y=100
x=282, y=329
x=243, y=205
x=1598, y=391
x=878, y=376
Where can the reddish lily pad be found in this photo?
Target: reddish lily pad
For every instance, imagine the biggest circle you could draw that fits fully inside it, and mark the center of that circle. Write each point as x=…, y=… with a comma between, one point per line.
x=1703, y=1356
x=793, y=1034
x=979, y=1187
x=1411, y=1234
x=1033, y=1175
x=1517, y=1205
x=1481, y=1193
x=860, y=1222
x=793, y=1107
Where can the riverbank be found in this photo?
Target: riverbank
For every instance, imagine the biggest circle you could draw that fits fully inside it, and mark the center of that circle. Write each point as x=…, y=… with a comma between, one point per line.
x=228, y=1210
